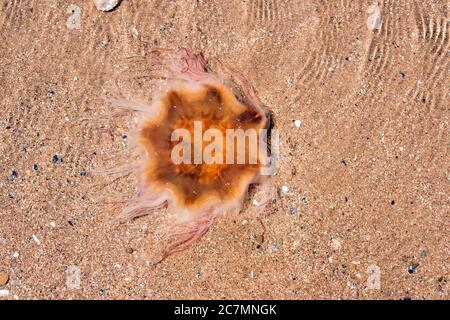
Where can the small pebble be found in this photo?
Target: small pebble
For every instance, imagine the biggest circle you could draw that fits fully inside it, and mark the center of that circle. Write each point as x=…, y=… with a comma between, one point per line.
x=4, y=278
x=35, y=167
x=53, y=224
x=55, y=158
x=124, y=137
x=83, y=173
x=335, y=244
x=106, y=5
x=412, y=268
x=129, y=250
x=35, y=239
x=285, y=189
x=297, y=123
x=14, y=174
x=15, y=254
x=402, y=74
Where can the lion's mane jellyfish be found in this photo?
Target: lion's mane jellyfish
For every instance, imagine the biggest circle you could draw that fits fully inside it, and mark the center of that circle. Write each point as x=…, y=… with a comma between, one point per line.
x=190, y=158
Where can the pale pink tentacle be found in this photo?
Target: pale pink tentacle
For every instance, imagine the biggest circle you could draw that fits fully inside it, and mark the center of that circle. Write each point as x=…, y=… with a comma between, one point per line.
x=184, y=234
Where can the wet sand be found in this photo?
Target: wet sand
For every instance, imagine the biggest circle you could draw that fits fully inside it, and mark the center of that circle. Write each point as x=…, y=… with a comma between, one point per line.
x=364, y=212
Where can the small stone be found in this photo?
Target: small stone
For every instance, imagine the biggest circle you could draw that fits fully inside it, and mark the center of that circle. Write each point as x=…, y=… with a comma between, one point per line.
x=402, y=74
x=4, y=278
x=53, y=224
x=129, y=250
x=14, y=174
x=297, y=123
x=412, y=268
x=124, y=137
x=35, y=239
x=55, y=158
x=35, y=167
x=335, y=244
x=106, y=5
x=293, y=210
x=255, y=203
x=15, y=254
x=285, y=189
x=83, y=173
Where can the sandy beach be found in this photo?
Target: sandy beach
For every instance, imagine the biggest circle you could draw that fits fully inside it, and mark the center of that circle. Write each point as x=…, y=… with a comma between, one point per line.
x=358, y=91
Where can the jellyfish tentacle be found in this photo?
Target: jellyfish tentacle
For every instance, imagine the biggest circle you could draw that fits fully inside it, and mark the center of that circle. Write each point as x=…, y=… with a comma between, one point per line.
x=120, y=168
x=268, y=193
x=142, y=206
x=182, y=63
x=184, y=234
x=249, y=91
x=126, y=104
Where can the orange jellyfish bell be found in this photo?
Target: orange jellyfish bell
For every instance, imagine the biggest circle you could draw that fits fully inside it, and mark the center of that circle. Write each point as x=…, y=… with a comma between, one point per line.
x=202, y=139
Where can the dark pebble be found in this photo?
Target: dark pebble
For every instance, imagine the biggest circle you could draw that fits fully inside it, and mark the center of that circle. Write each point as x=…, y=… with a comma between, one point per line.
x=35, y=167
x=55, y=158
x=14, y=174
x=402, y=74
x=83, y=173
x=412, y=268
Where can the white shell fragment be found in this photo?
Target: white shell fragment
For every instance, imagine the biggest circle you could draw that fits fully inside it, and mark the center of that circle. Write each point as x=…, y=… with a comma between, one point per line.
x=36, y=239
x=106, y=5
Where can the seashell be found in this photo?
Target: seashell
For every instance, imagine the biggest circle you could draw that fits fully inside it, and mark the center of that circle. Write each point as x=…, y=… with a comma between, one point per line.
x=106, y=5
